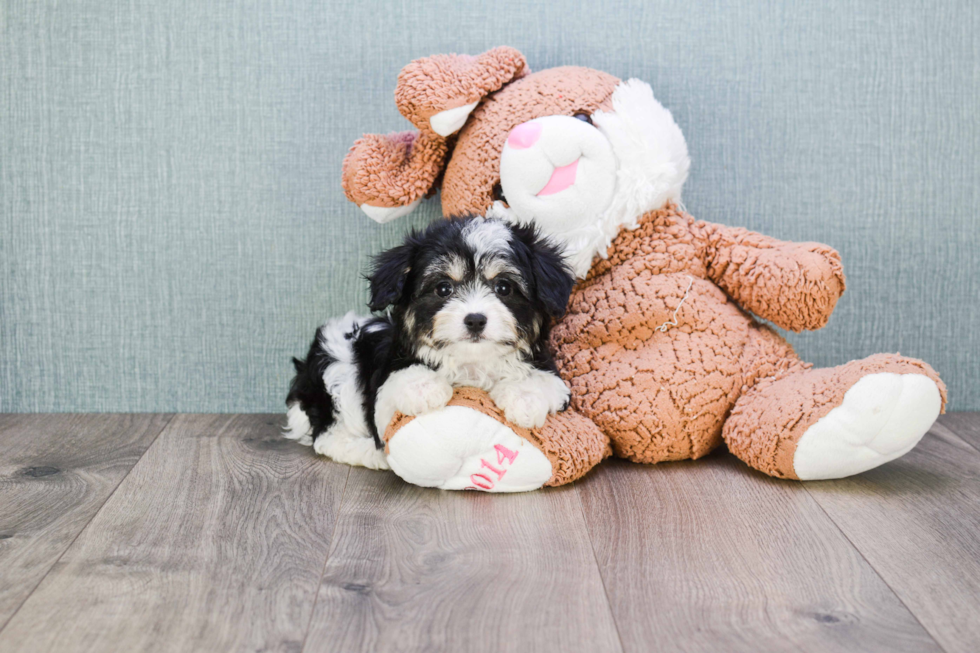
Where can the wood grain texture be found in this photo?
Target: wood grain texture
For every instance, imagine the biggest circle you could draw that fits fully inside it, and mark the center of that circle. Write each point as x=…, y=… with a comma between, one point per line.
x=917, y=521
x=415, y=569
x=56, y=471
x=214, y=542
x=710, y=556
x=216, y=539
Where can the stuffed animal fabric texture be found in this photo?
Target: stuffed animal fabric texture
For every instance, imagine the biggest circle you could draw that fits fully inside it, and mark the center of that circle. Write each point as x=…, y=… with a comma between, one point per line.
x=667, y=395
x=659, y=346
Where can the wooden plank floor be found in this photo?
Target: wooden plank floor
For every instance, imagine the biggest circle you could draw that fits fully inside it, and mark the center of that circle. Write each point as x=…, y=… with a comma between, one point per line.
x=212, y=533
x=55, y=473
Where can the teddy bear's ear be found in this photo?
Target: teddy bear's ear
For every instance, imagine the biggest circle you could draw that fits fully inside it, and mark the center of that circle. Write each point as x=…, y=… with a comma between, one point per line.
x=440, y=91
x=387, y=176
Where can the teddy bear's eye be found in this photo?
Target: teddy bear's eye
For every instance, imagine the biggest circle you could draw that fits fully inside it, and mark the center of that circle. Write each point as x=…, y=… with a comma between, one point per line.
x=584, y=117
x=498, y=193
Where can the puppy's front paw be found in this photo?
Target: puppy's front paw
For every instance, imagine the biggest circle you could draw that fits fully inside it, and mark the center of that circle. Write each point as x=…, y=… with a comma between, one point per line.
x=525, y=409
x=423, y=395
x=412, y=391
x=528, y=402
x=416, y=390
x=555, y=392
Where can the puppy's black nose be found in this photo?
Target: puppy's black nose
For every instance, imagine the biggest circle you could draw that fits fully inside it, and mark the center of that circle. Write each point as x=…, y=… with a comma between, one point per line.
x=475, y=322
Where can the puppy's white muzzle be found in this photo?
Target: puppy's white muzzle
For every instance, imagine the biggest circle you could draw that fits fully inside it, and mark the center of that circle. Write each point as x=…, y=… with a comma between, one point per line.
x=449, y=324
x=557, y=171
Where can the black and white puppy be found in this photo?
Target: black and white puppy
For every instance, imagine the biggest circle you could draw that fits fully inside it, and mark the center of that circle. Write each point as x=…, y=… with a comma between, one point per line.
x=470, y=303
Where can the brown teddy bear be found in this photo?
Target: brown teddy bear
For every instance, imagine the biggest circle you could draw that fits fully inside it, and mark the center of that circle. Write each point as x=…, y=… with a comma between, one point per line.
x=659, y=348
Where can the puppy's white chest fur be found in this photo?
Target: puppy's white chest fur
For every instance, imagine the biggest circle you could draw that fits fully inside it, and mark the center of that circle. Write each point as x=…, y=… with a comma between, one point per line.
x=482, y=365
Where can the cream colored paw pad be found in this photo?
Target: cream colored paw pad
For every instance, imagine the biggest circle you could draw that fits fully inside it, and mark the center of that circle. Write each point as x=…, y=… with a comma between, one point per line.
x=883, y=416
x=458, y=448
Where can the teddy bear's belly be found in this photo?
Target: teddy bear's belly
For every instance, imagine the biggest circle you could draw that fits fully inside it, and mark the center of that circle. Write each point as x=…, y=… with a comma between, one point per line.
x=656, y=364
x=663, y=400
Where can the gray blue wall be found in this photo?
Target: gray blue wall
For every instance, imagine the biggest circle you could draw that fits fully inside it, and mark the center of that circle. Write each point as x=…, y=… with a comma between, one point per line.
x=172, y=227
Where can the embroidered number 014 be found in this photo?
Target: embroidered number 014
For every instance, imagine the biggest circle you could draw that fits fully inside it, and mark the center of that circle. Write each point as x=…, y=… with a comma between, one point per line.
x=494, y=473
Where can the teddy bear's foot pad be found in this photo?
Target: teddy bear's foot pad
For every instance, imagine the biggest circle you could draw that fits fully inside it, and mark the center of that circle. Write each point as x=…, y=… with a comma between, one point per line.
x=458, y=448
x=882, y=417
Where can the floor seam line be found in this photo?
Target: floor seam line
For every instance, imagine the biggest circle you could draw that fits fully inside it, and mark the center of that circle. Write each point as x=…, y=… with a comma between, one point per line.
x=323, y=570
x=602, y=580
x=959, y=437
x=87, y=524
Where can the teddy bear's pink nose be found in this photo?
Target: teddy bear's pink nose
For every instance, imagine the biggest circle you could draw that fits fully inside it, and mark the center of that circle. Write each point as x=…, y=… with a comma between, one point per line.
x=524, y=135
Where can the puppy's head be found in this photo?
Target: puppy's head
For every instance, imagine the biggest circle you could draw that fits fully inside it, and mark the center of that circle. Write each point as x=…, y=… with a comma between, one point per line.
x=472, y=287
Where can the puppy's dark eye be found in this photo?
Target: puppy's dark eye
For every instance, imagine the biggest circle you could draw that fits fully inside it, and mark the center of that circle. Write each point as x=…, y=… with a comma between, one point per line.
x=584, y=117
x=502, y=287
x=444, y=289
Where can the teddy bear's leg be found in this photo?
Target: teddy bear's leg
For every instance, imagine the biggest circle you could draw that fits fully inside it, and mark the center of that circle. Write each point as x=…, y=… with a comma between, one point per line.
x=468, y=445
x=813, y=424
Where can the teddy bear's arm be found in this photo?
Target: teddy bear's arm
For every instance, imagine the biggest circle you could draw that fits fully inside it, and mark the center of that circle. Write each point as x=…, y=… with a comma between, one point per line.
x=793, y=285
x=393, y=170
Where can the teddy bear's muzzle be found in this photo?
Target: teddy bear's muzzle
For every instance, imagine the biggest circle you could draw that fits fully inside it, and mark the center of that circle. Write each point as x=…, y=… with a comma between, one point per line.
x=558, y=171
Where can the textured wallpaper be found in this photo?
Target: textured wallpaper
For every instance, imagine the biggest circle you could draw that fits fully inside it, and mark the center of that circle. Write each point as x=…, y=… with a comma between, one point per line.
x=172, y=227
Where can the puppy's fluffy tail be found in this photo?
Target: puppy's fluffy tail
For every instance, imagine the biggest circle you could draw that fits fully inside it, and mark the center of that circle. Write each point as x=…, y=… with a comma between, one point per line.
x=312, y=408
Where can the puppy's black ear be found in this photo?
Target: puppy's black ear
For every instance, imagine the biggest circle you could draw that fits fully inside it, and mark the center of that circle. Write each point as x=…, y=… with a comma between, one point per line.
x=389, y=275
x=553, y=279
